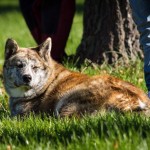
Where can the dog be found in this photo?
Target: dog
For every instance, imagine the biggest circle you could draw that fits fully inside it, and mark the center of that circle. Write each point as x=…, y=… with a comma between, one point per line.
x=36, y=83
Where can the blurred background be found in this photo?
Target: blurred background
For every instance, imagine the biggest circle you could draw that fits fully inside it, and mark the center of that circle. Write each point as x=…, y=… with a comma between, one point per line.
x=12, y=25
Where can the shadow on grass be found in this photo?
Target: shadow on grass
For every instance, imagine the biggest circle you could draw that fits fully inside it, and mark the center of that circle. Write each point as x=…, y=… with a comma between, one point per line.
x=79, y=7
x=8, y=9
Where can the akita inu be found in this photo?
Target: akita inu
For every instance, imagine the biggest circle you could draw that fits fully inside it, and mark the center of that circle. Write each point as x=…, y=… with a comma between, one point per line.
x=36, y=83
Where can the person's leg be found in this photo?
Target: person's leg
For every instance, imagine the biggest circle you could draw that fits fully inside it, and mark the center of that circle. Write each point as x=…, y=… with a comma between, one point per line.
x=27, y=9
x=51, y=18
x=141, y=14
x=61, y=29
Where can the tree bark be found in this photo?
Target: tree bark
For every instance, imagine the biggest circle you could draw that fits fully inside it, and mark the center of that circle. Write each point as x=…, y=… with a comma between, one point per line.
x=110, y=33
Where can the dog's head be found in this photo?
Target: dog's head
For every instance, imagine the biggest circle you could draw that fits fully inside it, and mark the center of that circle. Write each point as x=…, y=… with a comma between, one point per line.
x=26, y=70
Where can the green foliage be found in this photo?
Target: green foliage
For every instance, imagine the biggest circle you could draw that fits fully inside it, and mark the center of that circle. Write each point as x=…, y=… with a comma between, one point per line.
x=103, y=131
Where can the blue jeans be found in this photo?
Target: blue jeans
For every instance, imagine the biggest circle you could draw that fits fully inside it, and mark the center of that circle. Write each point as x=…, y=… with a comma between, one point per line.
x=141, y=15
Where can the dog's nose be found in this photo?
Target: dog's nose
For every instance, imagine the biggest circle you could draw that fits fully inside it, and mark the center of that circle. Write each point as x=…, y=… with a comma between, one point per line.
x=27, y=78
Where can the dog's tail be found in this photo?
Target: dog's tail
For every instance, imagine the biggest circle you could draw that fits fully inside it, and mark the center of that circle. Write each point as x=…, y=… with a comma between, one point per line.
x=124, y=96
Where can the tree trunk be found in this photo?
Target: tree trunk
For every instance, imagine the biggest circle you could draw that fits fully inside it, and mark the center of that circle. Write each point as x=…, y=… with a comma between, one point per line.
x=109, y=34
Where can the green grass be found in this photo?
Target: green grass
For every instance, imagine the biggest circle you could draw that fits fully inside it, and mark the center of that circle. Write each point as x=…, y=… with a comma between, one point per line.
x=107, y=131
x=103, y=131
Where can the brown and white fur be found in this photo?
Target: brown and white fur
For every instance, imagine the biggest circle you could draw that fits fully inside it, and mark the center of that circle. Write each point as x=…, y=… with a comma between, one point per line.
x=36, y=83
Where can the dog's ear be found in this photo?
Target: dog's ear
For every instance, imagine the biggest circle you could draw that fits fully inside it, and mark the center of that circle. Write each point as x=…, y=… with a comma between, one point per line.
x=44, y=49
x=11, y=47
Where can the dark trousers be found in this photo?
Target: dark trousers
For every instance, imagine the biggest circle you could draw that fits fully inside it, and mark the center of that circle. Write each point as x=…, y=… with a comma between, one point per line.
x=49, y=18
x=141, y=14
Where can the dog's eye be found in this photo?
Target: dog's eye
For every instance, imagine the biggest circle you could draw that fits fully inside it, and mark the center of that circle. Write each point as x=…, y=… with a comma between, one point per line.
x=19, y=65
x=34, y=67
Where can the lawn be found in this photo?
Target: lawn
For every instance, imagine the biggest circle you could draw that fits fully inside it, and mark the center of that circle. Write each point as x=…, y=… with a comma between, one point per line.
x=103, y=131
